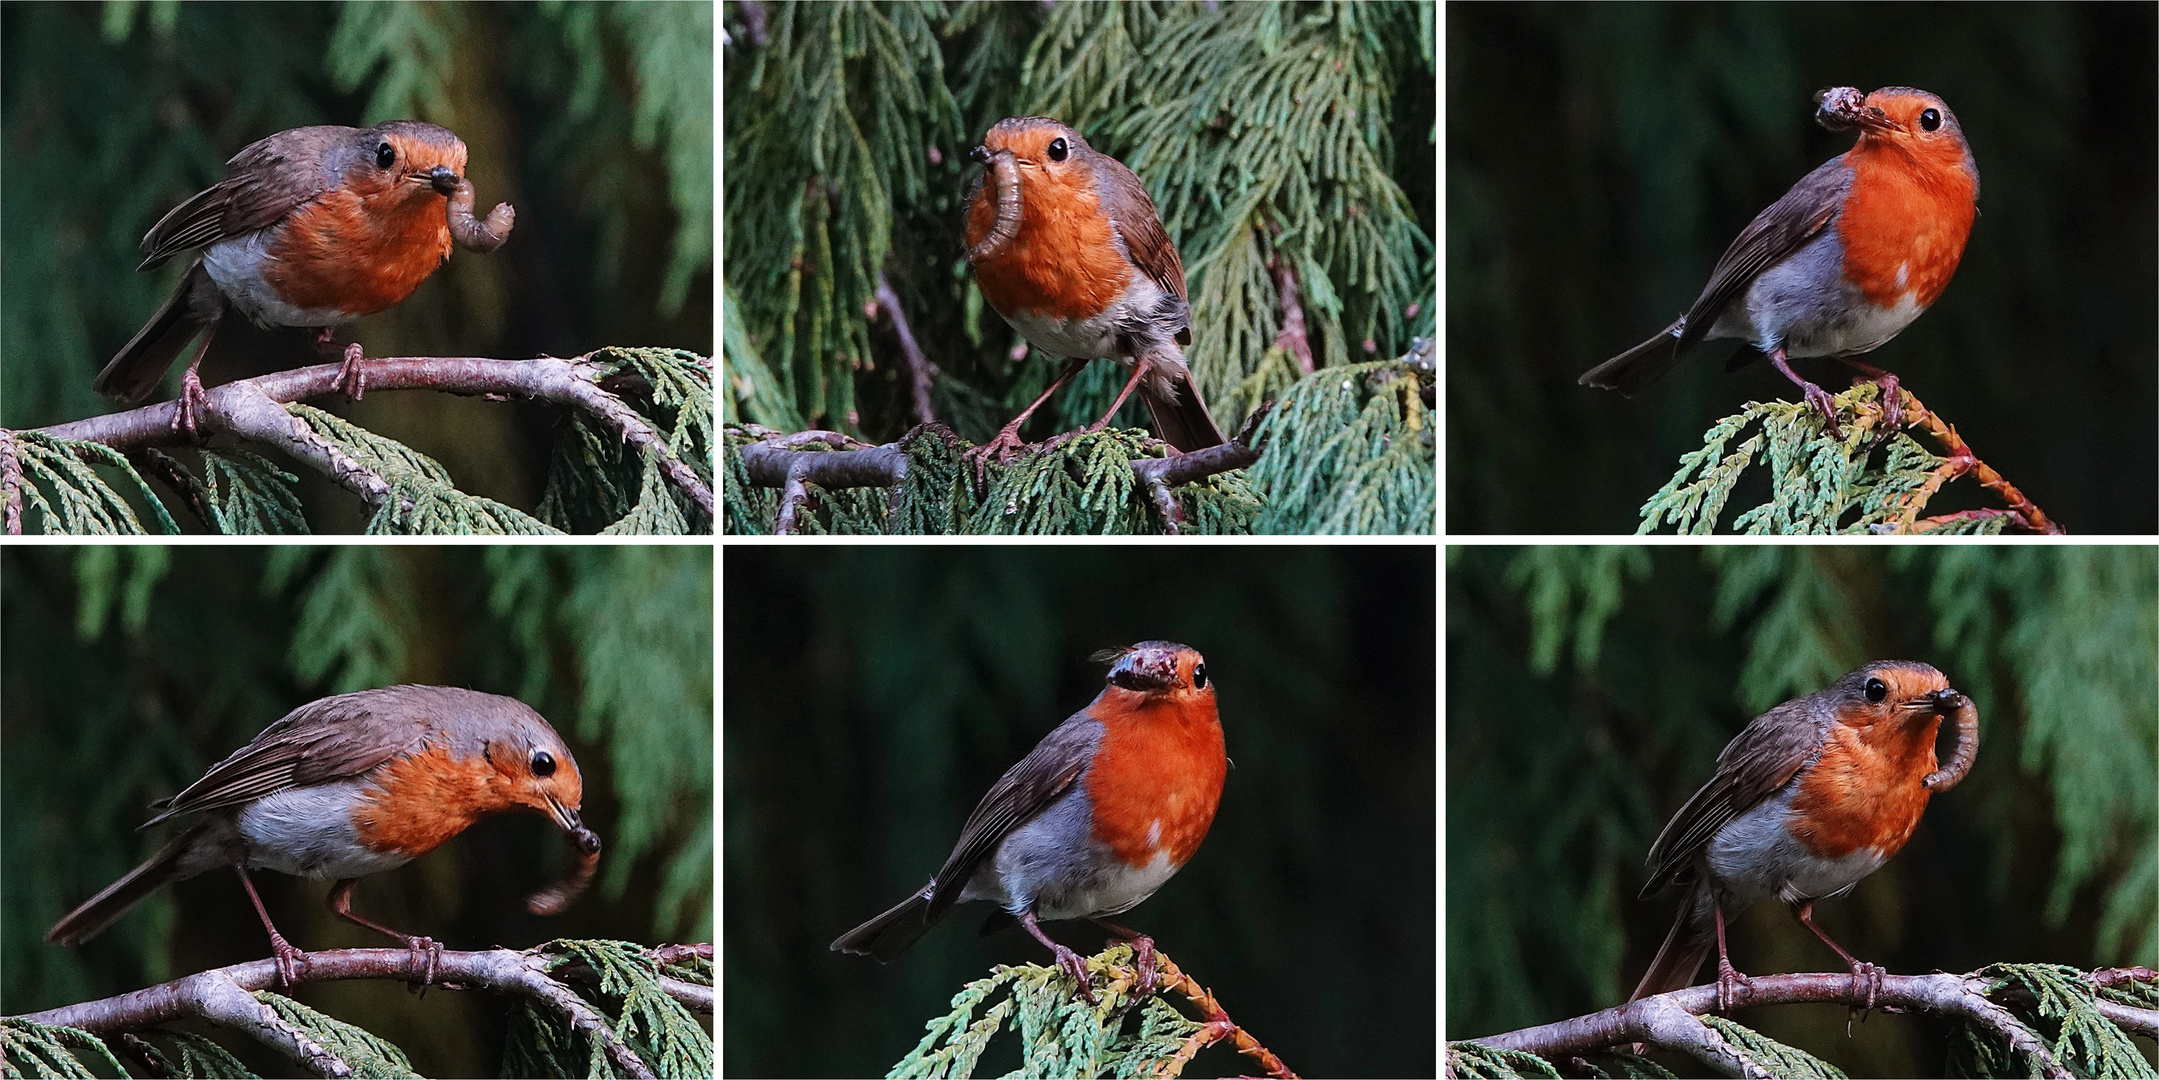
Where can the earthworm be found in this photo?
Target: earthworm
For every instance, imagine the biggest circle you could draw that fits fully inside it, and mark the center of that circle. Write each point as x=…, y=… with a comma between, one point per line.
x=554, y=898
x=1967, y=750
x=471, y=232
x=1005, y=173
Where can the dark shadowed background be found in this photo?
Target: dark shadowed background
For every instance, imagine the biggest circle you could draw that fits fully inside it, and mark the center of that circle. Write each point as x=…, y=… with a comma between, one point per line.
x=1600, y=157
x=873, y=695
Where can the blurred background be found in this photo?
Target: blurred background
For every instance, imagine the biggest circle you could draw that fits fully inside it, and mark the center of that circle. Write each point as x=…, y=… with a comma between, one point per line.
x=874, y=695
x=1590, y=689
x=1600, y=157
x=593, y=120
x=128, y=671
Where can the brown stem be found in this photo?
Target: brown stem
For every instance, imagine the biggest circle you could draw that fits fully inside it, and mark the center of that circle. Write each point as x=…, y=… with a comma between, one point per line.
x=1215, y=1024
x=1960, y=455
x=918, y=365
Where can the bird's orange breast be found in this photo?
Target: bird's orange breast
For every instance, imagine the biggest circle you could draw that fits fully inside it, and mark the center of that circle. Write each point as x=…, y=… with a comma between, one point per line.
x=1865, y=790
x=359, y=252
x=1905, y=221
x=1157, y=778
x=415, y=803
x=1063, y=263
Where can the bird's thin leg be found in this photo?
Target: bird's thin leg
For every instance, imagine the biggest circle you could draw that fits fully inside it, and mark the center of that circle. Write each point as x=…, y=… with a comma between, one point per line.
x=1007, y=438
x=426, y=951
x=1871, y=973
x=1729, y=980
x=1139, y=368
x=1816, y=396
x=1066, y=958
x=193, y=399
x=281, y=949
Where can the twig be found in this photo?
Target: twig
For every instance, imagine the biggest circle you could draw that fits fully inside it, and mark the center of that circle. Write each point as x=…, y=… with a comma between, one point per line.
x=773, y=463
x=1962, y=460
x=226, y=996
x=918, y=365
x=1672, y=1020
x=1293, y=336
x=151, y=461
x=254, y=409
x=11, y=483
x=1214, y=1027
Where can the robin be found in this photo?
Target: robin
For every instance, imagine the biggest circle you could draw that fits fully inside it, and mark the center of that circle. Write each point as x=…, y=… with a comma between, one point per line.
x=312, y=227
x=1067, y=246
x=1845, y=260
x=1811, y=797
x=349, y=786
x=1091, y=822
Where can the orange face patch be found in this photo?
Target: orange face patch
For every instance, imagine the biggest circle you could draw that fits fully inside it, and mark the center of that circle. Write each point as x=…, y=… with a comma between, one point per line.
x=1064, y=263
x=1914, y=196
x=416, y=802
x=1157, y=777
x=1865, y=790
x=367, y=244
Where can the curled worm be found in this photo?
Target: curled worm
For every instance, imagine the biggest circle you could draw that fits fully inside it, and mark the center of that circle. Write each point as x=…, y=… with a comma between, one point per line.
x=1005, y=174
x=470, y=231
x=553, y=899
x=1967, y=749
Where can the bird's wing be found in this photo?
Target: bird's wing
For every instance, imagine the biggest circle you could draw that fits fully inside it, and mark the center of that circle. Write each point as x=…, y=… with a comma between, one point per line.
x=1125, y=201
x=1770, y=238
x=323, y=740
x=265, y=181
x=1761, y=759
x=1026, y=789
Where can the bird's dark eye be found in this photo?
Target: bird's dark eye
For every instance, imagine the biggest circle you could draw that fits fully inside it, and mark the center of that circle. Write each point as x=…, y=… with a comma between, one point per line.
x=1877, y=690
x=1199, y=676
x=1058, y=150
x=543, y=763
x=1930, y=119
x=385, y=156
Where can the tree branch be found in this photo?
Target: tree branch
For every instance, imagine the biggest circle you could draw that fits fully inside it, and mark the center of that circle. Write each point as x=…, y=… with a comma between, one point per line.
x=774, y=463
x=1672, y=1020
x=918, y=365
x=1961, y=460
x=253, y=409
x=225, y=996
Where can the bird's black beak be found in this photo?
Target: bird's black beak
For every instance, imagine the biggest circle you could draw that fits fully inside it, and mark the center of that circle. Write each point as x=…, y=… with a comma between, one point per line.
x=1944, y=701
x=980, y=155
x=442, y=179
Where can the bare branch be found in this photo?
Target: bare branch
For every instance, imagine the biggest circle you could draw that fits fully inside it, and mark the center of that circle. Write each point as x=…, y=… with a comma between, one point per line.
x=225, y=996
x=1672, y=1020
x=918, y=365
x=254, y=409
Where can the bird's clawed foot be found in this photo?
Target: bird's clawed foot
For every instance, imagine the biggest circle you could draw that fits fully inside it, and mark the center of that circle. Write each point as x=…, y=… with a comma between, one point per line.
x=286, y=957
x=1820, y=399
x=1871, y=975
x=1729, y=983
x=193, y=400
x=350, y=378
x=1075, y=967
x=426, y=951
x=1000, y=448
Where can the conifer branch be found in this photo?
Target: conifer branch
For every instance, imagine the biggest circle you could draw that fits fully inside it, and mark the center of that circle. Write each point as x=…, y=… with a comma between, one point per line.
x=254, y=410
x=227, y=996
x=919, y=368
x=1675, y=1020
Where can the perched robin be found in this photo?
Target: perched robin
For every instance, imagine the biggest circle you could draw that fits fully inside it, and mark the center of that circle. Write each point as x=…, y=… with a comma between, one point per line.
x=1067, y=246
x=1845, y=260
x=1091, y=822
x=1812, y=796
x=312, y=227
x=354, y=785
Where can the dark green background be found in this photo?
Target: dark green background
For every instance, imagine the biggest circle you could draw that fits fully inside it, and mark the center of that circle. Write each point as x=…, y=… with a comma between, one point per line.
x=873, y=695
x=1600, y=157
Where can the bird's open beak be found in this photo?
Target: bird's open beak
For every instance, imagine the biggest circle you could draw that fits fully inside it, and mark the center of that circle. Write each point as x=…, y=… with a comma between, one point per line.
x=564, y=816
